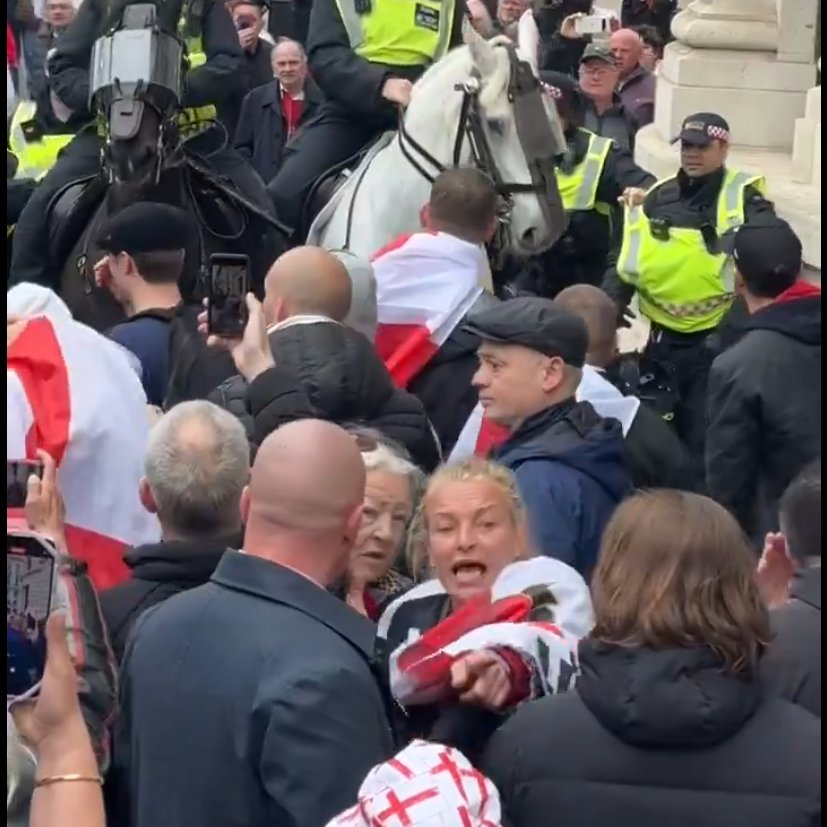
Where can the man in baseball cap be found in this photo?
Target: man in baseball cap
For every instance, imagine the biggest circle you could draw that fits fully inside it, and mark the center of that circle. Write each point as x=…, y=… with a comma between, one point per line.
x=567, y=460
x=764, y=394
x=704, y=140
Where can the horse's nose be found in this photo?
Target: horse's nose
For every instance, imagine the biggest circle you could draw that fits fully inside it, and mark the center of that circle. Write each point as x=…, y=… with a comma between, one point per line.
x=530, y=238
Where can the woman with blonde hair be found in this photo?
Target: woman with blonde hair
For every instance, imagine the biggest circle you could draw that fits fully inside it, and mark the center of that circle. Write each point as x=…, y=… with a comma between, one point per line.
x=667, y=723
x=472, y=635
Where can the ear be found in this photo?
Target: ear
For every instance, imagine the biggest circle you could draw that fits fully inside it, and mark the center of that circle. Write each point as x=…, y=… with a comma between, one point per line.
x=244, y=505
x=146, y=496
x=129, y=262
x=425, y=216
x=483, y=57
x=352, y=526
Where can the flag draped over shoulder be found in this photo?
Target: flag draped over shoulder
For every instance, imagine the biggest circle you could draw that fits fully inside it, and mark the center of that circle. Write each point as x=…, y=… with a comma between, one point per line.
x=71, y=392
x=425, y=284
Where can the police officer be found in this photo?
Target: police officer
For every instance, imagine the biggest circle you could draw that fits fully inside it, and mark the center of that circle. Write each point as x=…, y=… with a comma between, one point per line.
x=213, y=77
x=593, y=175
x=365, y=55
x=671, y=256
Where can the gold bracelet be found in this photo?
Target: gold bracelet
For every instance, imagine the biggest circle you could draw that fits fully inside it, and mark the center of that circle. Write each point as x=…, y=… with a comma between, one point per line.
x=69, y=777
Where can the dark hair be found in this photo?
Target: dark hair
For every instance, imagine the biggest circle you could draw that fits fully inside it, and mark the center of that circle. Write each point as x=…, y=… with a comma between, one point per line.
x=675, y=571
x=650, y=36
x=160, y=266
x=463, y=202
x=768, y=282
x=800, y=513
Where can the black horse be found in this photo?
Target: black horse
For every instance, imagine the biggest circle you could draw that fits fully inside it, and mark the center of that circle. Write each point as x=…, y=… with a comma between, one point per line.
x=147, y=156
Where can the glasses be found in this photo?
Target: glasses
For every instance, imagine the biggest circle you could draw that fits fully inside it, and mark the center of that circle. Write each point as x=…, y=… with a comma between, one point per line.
x=595, y=72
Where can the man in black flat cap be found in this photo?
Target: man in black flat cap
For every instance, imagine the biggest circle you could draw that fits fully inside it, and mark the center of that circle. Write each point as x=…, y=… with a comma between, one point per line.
x=671, y=256
x=764, y=397
x=144, y=245
x=568, y=461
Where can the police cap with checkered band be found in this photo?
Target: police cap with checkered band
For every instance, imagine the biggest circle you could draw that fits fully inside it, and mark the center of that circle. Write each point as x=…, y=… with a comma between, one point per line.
x=702, y=128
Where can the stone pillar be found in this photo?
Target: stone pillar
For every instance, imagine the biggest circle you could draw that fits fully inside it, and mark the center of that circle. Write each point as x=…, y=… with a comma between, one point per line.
x=749, y=60
x=807, y=140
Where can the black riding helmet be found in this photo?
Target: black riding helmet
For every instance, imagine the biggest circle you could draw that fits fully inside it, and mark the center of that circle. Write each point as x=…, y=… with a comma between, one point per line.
x=564, y=90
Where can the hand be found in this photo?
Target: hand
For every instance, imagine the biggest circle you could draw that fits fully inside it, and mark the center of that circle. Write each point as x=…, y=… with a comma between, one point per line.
x=251, y=353
x=482, y=679
x=54, y=719
x=103, y=274
x=776, y=569
x=247, y=38
x=397, y=90
x=45, y=510
x=567, y=27
x=625, y=317
x=632, y=197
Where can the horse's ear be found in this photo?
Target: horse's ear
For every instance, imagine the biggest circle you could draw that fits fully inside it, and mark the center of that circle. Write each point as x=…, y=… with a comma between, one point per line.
x=483, y=57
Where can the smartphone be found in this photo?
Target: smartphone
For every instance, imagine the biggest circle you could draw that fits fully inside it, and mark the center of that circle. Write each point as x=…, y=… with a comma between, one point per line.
x=18, y=472
x=593, y=24
x=229, y=285
x=31, y=568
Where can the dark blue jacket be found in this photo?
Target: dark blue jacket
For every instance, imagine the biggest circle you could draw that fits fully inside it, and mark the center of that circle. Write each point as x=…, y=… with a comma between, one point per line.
x=571, y=474
x=246, y=702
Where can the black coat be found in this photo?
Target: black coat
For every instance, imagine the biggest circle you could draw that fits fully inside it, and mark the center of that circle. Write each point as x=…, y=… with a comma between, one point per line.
x=159, y=571
x=792, y=665
x=658, y=738
x=261, y=134
x=256, y=71
x=249, y=701
x=764, y=411
x=337, y=376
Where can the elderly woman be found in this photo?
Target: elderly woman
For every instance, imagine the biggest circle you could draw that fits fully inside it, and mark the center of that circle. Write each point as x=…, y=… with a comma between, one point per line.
x=470, y=646
x=391, y=488
x=668, y=723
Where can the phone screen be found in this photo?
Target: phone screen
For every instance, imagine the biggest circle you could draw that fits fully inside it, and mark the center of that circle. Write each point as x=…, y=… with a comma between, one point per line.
x=229, y=284
x=17, y=480
x=30, y=573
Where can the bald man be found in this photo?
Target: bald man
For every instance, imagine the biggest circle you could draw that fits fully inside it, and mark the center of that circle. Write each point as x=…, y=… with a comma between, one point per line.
x=654, y=455
x=637, y=85
x=251, y=700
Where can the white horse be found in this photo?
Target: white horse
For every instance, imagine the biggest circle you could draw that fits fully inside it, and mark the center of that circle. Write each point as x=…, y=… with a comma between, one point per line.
x=384, y=195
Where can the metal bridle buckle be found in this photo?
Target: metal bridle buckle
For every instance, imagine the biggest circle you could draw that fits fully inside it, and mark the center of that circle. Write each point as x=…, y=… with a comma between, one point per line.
x=470, y=86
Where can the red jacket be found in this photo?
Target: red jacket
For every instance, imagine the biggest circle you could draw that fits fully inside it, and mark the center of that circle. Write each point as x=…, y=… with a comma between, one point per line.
x=11, y=49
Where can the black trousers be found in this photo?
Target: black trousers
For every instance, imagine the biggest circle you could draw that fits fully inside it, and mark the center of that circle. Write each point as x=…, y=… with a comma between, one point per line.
x=81, y=158
x=327, y=140
x=690, y=356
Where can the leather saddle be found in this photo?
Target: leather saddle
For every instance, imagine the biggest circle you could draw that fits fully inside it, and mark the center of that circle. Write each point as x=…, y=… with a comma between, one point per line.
x=70, y=211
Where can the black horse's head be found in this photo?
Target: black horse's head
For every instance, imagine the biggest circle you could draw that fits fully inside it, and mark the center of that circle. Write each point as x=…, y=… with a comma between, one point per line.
x=137, y=83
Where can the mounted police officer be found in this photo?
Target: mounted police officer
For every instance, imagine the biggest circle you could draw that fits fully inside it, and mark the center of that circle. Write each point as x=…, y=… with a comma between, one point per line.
x=365, y=55
x=671, y=256
x=592, y=176
x=213, y=77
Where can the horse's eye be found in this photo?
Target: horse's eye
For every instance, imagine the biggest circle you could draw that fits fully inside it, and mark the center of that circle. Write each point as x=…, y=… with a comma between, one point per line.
x=496, y=125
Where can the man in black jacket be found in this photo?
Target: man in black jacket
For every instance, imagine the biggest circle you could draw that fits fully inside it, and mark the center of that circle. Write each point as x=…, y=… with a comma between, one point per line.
x=321, y=363
x=365, y=56
x=272, y=113
x=197, y=464
x=764, y=395
x=791, y=666
x=207, y=85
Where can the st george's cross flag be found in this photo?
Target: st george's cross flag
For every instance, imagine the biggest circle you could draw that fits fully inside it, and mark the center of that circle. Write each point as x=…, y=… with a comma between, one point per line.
x=72, y=392
x=425, y=284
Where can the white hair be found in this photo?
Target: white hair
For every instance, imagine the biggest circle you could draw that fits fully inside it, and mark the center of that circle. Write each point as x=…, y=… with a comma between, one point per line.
x=197, y=464
x=385, y=458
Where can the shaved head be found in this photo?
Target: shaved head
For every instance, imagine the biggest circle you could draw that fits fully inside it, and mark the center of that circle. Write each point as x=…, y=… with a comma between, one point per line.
x=307, y=280
x=627, y=48
x=599, y=313
x=304, y=503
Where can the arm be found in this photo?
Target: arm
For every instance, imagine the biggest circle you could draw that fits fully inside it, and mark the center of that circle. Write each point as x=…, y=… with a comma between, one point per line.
x=551, y=513
x=343, y=76
x=69, y=63
x=244, y=132
x=617, y=289
x=328, y=725
x=732, y=441
x=220, y=77
x=756, y=206
x=619, y=173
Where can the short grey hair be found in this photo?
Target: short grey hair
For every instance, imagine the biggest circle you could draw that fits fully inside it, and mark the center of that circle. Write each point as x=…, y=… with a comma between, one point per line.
x=197, y=464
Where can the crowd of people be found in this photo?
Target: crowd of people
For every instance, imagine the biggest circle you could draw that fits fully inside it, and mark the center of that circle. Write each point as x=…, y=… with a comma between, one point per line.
x=419, y=544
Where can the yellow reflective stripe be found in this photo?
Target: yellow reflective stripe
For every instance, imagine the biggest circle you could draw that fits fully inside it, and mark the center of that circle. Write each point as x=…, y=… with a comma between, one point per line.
x=628, y=266
x=591, y=169
x=352, y=21
x=732, y=198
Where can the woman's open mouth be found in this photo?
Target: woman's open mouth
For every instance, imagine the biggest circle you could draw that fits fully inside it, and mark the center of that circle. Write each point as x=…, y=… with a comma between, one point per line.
x=469, y=572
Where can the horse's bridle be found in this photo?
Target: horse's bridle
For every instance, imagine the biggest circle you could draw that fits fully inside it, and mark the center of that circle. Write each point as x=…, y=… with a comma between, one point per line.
x=533, y=130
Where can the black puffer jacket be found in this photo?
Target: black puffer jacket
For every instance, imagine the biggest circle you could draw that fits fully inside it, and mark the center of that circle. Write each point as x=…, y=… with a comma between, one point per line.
x=658, y=738
x=764, y=409
x=339, y=373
